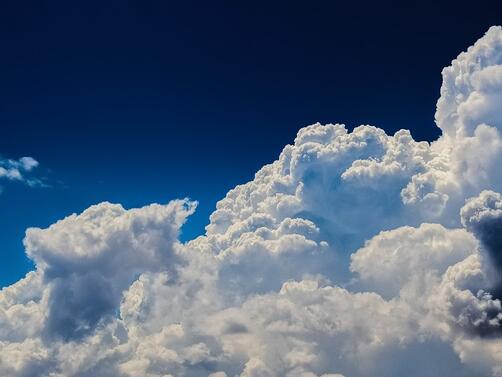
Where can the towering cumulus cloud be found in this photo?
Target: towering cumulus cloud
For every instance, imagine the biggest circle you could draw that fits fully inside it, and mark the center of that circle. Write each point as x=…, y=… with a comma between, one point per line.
x=354, y=254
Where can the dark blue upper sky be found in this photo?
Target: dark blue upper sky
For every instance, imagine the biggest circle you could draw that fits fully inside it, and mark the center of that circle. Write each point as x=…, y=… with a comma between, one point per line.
x=146, y=101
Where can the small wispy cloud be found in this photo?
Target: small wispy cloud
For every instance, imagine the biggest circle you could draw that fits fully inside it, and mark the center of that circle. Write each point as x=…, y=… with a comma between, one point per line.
x=20, y=170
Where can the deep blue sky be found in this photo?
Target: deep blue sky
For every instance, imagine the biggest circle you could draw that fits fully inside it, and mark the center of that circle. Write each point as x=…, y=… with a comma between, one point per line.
x=140, y=101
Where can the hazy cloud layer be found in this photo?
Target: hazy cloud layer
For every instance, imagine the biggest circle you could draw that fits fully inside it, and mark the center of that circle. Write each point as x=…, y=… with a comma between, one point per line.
x=354, y=254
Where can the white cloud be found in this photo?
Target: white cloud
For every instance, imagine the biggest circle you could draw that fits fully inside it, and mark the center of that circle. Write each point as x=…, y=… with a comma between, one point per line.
x=18, y=170
x=354, y=254
x=14, y=169
x=392, y=259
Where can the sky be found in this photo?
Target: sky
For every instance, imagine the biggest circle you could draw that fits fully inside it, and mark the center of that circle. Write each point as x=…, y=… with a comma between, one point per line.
x=230, y=189
x=138, y=102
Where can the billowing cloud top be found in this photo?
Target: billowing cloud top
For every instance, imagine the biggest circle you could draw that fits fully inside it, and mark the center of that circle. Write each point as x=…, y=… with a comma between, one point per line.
x=354, y=254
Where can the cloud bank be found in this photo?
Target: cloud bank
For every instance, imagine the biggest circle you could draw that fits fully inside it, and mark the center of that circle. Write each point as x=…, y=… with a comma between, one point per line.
x=353, y=254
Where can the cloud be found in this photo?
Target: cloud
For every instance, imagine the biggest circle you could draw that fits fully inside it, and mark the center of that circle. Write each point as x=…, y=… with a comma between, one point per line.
x=353, y=254
x=13, y=169
x=18, y=170
x=482, y=215
x=394, y=258
x=90, y=259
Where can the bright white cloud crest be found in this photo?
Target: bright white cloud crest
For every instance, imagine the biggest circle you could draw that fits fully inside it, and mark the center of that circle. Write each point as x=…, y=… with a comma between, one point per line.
x=353, y=254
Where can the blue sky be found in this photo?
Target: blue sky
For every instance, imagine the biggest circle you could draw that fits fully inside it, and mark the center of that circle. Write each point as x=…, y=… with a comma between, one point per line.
x=140, y=102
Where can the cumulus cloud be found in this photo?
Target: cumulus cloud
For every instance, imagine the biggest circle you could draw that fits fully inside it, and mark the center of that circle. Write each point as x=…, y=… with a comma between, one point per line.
x=90, y=259
x=482, y=215
x=394, y=258
x=353, y=254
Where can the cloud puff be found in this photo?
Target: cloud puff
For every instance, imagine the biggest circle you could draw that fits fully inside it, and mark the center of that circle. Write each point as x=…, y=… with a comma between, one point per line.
x=15, y=170
x=482, y=215
x=90, y=259
x=392, y=259
x=353, y=254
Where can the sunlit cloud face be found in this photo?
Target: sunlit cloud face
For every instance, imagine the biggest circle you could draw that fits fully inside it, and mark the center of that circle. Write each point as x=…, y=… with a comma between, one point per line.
x=353, y=254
